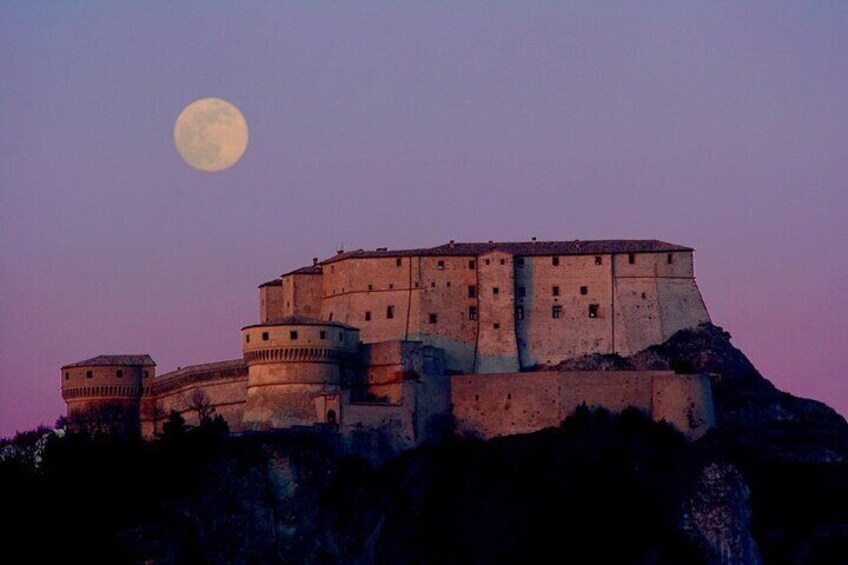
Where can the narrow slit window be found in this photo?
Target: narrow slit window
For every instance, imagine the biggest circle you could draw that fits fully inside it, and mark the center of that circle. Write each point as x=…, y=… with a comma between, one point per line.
x=556, y=312
x=669, y=258
x=472, y=291
x=247, y=338
x=631, y=258
x=67, y=376
x=368, y=316
x=555, y=290
x=472, y=312
x=398, y=261
x=593, y=310
x=390, y=312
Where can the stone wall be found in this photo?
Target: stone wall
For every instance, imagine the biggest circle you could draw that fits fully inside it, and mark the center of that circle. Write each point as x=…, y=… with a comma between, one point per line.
x=513, y=403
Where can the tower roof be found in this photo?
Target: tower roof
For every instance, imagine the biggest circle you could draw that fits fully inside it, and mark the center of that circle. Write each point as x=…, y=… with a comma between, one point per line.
x=301, y=321
x=112, y=360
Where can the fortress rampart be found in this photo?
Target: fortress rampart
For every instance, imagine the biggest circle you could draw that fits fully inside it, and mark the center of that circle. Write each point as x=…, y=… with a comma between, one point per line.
x=386, y=346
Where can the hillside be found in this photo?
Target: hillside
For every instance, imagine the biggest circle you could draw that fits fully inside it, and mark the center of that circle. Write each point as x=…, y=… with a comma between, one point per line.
x=770, y=484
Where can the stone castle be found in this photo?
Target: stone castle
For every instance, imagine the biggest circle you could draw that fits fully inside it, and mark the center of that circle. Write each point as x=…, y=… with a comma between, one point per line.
x=391, y=345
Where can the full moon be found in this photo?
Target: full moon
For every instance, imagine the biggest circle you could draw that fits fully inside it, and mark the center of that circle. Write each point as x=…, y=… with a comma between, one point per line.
x=211, y=134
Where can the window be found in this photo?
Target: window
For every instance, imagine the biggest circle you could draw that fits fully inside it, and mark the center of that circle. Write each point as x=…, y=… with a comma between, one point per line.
x=433, y=318
x=488, y=261
x=67, y=376
x=416, y=284
x=146, y=374
x=644, y=296
x=472, y=291
x=391, y=286
x=330, y=317
x=368, y=316
x=496, y=325
x=496, y=290
x=447, y=284
x=265, y=336
x=631, y=258
x=555, y=261
x=398, y=261
x=555, y=290
x=472, y=264
x=247, y=338
x=598, y=260
x=390, y=312
x=503, y=261
x=556, y=312
x=669, y=258
x=119, y=373
x=433, y=284
x=89, y=374
x=519, y=262
x=472, y=312
x=519, y=312
x=441, y=265
x=323, y=334
x=370, y=287
x=293, y=335
x=593, y=310
x=584, y=290
x=522, y=292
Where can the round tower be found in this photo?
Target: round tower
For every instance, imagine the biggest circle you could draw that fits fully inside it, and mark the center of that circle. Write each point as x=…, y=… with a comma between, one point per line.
x=294, y=365
x=104, y=393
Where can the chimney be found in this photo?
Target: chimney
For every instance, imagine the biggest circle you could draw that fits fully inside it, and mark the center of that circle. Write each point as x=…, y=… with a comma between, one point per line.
x=315, y=261
x=451, y=244
x=339, y=251
x=533, y=239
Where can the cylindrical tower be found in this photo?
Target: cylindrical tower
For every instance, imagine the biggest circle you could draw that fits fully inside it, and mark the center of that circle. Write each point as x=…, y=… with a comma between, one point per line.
x=104, y=393
x=292, y=364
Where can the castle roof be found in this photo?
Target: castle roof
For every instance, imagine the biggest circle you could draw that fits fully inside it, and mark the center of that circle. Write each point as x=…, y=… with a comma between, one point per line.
x=300, y=321
x=310, y=270
x=521, y=248
x=112, y=360
x=275, y=282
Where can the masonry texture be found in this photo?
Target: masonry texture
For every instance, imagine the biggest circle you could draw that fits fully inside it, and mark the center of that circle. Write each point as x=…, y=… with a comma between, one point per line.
x=384, y=345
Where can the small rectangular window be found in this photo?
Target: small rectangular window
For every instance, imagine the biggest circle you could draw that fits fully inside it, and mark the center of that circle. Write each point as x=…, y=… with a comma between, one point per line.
x=89, y=374
x=370, y=287
x=522, y=292
x=433, y=318
x=330, y=317
x=644, y=296
x=555, y=291
x=503, y=261
x=441, y=265
x=519, y=262
x=119, y=373
x=472, y=312
x=390, y=312
x=67, y=376
x=669, y=258
x=496, y=325
x=556, y=312
x=472, y=291
x=598, y=260
x=447, y=284
x=555, y=261
x=391, y=286
x=488, y=261
x=519, y=312
x=265, y=336
x=323, y=334
x=398, y=261
x=472, y=264
x=368, y=316
x=496, y=290
x=293, y=335
x=584, y=290
x=631, y=258
x=593, y=310
x=247, y=338
x=433, y=284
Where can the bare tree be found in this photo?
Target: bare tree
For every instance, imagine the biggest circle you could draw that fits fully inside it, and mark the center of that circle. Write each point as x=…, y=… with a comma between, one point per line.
x=200, y=402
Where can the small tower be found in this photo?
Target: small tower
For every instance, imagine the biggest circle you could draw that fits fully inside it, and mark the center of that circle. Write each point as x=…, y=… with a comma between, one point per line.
x=104, y=393
x=294, y=365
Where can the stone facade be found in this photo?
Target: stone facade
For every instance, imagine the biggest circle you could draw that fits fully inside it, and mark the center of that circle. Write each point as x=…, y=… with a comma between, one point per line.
x=388, y=345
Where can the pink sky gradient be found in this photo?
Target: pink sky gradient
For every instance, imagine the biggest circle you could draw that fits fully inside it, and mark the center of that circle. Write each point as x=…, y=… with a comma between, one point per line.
x=719, y=125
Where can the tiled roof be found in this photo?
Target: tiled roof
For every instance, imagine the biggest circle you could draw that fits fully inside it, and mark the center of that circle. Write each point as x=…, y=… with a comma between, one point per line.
x=120, y=360
x=310, y=270
x=300, y=321
x=275, y=282
x=523, y=248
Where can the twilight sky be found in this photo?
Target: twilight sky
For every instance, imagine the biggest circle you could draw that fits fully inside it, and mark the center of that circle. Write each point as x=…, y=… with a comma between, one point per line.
x=720, y=125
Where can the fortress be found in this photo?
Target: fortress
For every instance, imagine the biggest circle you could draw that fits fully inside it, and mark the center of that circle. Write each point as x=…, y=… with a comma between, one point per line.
x=392, y=345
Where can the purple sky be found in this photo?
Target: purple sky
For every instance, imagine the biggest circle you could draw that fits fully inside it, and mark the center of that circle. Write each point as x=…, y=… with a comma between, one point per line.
x=723, y=126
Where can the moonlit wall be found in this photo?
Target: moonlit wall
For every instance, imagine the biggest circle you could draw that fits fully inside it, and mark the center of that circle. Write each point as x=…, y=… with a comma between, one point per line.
x=723, y=126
